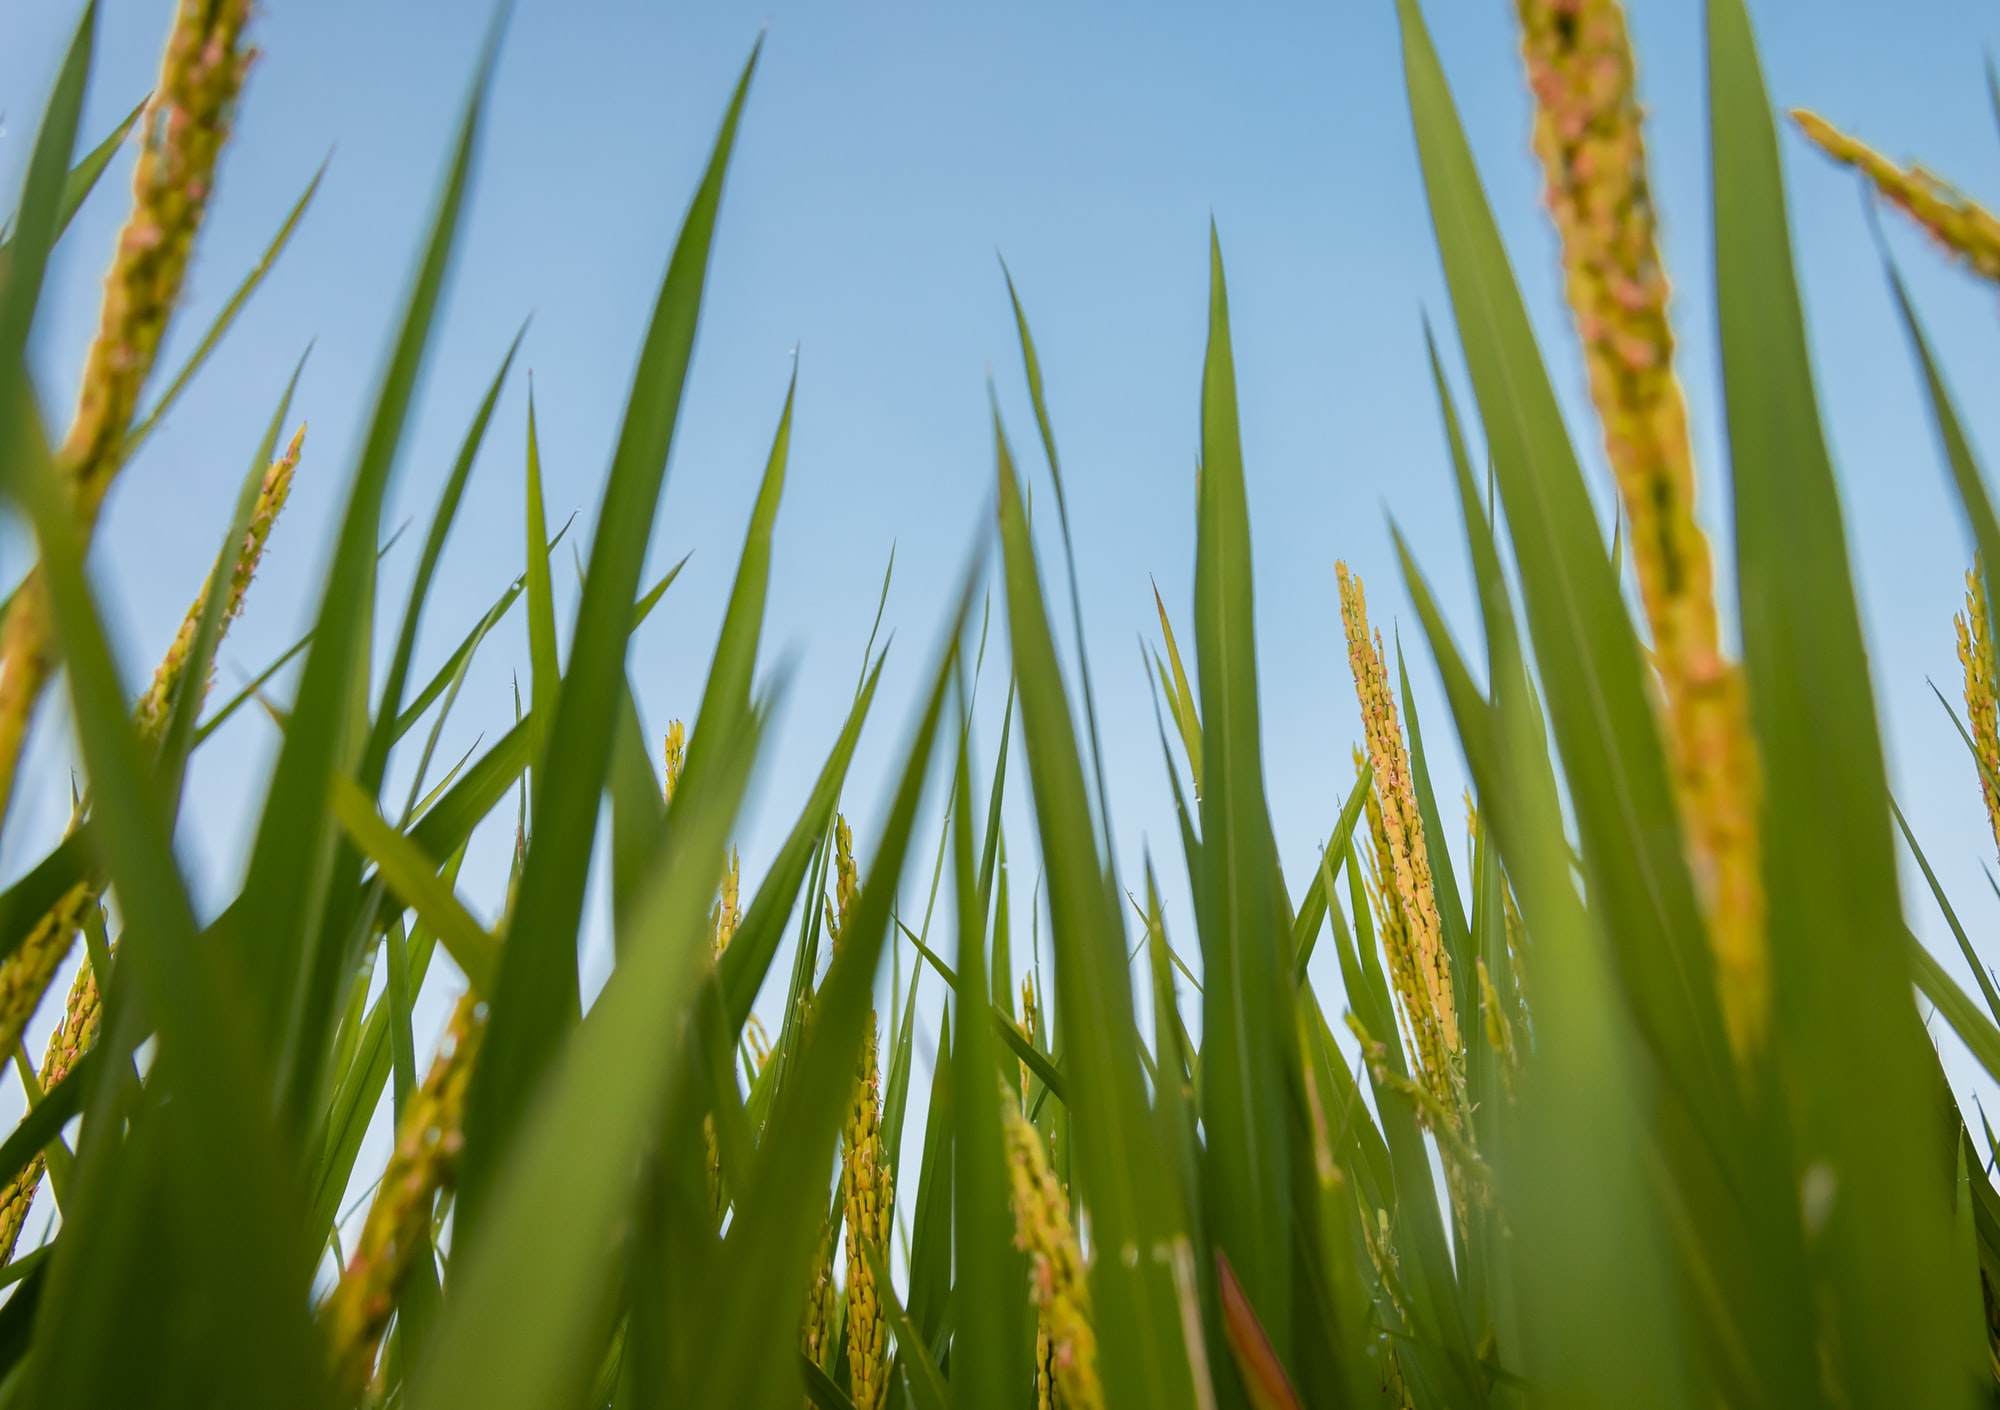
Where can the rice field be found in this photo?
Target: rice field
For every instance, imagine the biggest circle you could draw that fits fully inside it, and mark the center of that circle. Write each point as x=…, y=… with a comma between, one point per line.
x=1645, y=1110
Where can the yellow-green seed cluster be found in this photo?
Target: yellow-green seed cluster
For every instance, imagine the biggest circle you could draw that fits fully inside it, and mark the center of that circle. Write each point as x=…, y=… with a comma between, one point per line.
x=1590, y=140
x=1975, y=654
x=26, y=973
x=1043, y=1230
x=397, y=1230
x=1965, y=229
x=676, y=758
x=151, y=711
x=1412, y=935
x=83, y=1015
x=181, y=136
x=868, y=1185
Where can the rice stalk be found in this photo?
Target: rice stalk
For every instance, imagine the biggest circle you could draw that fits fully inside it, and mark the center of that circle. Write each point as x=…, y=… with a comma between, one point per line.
x=1960, y=225
x=723, y=919
x=25, y=974
x=182, y=135
x=398, y=1227
x=1975, y=654
x=1066, y=1339
x=868, y=1182
x=676, y=759
x=1413, y=938
x=819, y=1333
x=1590, y=140
x=82, y=1017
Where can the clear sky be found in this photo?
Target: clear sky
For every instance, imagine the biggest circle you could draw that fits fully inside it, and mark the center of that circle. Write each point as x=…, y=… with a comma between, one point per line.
x=889, y=150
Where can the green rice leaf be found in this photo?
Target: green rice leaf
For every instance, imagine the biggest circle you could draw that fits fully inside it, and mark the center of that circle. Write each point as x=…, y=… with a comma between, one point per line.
x=545, y=677
x=1584, y=644
x=1245, y=954
x=292, y=958
x=535, y=1000
x=389, y=717
x=212, y=338
x=986, y=1363
x=410, y=874
x=1144, y=1357
x=177, y=738
x=1864, y=1104
x=528, y=1318
x=769, y=1248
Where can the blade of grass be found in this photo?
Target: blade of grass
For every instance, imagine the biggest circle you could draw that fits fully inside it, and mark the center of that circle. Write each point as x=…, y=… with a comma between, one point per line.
x=991, y=1272
x=389, y=717
x=535, y=1001
x=410, y=874
x=1866, y=1104
x=293, y=962
x=607, y=1093
x=1142, y=1354
x=177, y=739
x=211, y=339
x=1243, y=942
x=1986, y=990
x=770, y=1243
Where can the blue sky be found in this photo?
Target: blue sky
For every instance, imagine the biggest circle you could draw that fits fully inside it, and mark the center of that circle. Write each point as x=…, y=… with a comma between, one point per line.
x=889, y=151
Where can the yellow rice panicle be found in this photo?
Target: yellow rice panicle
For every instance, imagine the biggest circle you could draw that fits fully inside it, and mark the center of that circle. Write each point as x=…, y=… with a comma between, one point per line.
x=151, y=711
x=868, y=1185
x=727, y=914
x=676, y=758
x=1431, y=995
x=816, y=1332
x=1057, y=1281
x=82, y=1017
x=1590, y=141
x=180, y=138
x=1965, y=229
x=867, y=1177
x=1975, y=654
x=424, y=1163
x=25, y=974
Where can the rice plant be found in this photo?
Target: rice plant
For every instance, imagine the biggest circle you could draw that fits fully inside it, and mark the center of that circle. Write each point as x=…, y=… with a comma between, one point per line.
x=1644, y=1111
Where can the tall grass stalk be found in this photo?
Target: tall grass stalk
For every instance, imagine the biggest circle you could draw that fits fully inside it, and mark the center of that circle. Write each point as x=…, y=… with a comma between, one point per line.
x=1644, y=1111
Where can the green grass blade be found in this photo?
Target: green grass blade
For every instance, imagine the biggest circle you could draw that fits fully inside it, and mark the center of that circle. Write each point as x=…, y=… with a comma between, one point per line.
x=1584, y=644
x=1986, y=990
x=1597, y=1318
x=40, y=219
x=1244, y=946
x=545, y=671
x=223, y=1162
x=735, y=659
x=1032, y=365
x=1313, y=908
x=931, y=1221
x=1866, y=1103
x=177, y=738
x=389, y=718
x=292, y=961
x=1965, y=473
x=212, y=338
x=748, y=958
x=528, y=1319
x=83, y=177
x=769, y=1249
x=410, y=874
x=1981, y=1037
x=987, y=1373
x=535, y=1000
x=1143, y=1356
